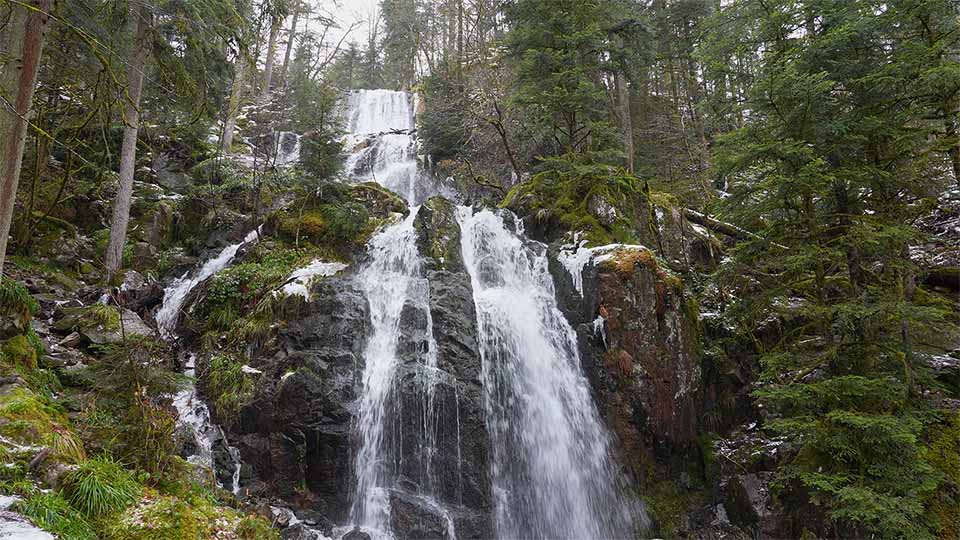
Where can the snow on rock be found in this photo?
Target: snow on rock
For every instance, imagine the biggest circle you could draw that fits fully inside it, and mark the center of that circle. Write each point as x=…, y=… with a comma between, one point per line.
x=575, y=256
x=299, y=281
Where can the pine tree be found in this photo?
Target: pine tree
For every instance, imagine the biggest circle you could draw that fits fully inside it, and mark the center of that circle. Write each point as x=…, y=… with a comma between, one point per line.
x=558, y=47
x=831, y=167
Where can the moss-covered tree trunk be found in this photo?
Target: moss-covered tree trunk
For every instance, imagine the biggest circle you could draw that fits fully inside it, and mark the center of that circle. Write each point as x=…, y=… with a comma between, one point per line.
x=233, y=106
x=138, y=20
x=20, y=61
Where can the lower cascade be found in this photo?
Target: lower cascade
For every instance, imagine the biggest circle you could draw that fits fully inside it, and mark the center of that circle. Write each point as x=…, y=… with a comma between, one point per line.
x=401, y=340
x=552, y=471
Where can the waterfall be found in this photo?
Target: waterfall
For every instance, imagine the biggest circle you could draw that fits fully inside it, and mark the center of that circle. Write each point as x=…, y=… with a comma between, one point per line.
x=288, y=148
x=380, y=145
x=176, y=293
x=552, y=470
x=400, y=342
x=192, y=412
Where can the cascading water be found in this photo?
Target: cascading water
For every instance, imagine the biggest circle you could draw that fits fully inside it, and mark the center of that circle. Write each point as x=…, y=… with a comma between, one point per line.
x=381, y=146
x=176, y=293
x=552, y=470
x=288, y=148
x=395, y=291
x=191, y=410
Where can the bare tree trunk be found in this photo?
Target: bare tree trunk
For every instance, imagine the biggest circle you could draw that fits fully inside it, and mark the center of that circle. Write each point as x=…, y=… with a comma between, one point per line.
x=137, y=24
x=623, y=97
x=233, y=106
x=290, y=38
x=268, y=65
x=18, y=78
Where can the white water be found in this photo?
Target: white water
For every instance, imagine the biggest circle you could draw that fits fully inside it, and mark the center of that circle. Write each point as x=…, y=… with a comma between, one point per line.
x=288, y=149
x=193, y=413
x=392, y=283
x=176, y=293
x=298, y=284
x=380, y=145
x=552, y=469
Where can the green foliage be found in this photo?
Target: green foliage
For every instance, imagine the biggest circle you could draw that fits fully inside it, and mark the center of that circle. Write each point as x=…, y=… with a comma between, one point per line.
x=238, y=290
x=558, y=47
x=100, y=486
x=565, y=191
x=828, y=169
x=136, y=427
x=54, y=514
x=16, y=302
x=443, y=128
x=229, y=386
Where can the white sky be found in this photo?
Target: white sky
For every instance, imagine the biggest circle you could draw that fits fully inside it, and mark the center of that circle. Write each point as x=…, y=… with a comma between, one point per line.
x=348, y=12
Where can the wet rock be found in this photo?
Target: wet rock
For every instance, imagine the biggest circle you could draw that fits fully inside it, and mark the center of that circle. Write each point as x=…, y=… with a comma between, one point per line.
x=300, y=531
x=356, y=534
x=297, y=430
x=639, y=348
x=438, y=234
x=414, y=518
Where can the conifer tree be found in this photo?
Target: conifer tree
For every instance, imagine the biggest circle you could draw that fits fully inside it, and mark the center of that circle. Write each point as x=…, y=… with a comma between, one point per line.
x=830, y=169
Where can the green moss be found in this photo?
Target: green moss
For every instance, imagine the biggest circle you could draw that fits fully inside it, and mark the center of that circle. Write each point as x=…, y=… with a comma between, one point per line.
x=230, y=387
x=161, y=517
x=669, y=505
x=253, y=527
x=93, y=316
x=32, y=419
x=563, y=193
x=20, y=352
x=943, y=453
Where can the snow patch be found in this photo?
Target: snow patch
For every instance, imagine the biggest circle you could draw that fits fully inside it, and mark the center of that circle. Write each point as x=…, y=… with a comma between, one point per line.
x=299, y=281
x=575, y=257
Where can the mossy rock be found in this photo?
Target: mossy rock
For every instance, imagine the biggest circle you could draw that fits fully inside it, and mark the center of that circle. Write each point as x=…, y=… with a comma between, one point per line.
x=160, y=517
x=29, y=418
x=438, y=233
x=606, y=203
x=378, y=199
x=20, y=352
x=16, y=303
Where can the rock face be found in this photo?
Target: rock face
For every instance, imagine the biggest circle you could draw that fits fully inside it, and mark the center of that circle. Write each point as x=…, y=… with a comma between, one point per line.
x=299, y=428
x=464, y=439
x=638, y=341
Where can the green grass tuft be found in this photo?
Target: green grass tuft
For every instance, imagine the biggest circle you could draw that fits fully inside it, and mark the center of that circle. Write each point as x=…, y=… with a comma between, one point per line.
x=101, y=486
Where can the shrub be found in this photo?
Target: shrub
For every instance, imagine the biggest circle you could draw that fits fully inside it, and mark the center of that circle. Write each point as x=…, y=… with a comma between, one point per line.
x=100, y=486
x=229, y=386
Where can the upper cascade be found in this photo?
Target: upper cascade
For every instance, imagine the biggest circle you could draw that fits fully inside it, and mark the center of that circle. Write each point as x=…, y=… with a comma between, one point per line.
x=381, y=145
x=378, y=111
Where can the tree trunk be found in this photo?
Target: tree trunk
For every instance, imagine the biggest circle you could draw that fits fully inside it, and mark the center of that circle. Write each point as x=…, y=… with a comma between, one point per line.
x=233, y=106
x=18, y=79
x=268, y=65
x=626, y=121
x=137, y=24
x=290, y=38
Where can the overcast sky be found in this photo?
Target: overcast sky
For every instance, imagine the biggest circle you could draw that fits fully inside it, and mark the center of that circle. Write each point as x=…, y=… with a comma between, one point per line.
x=348, y=12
